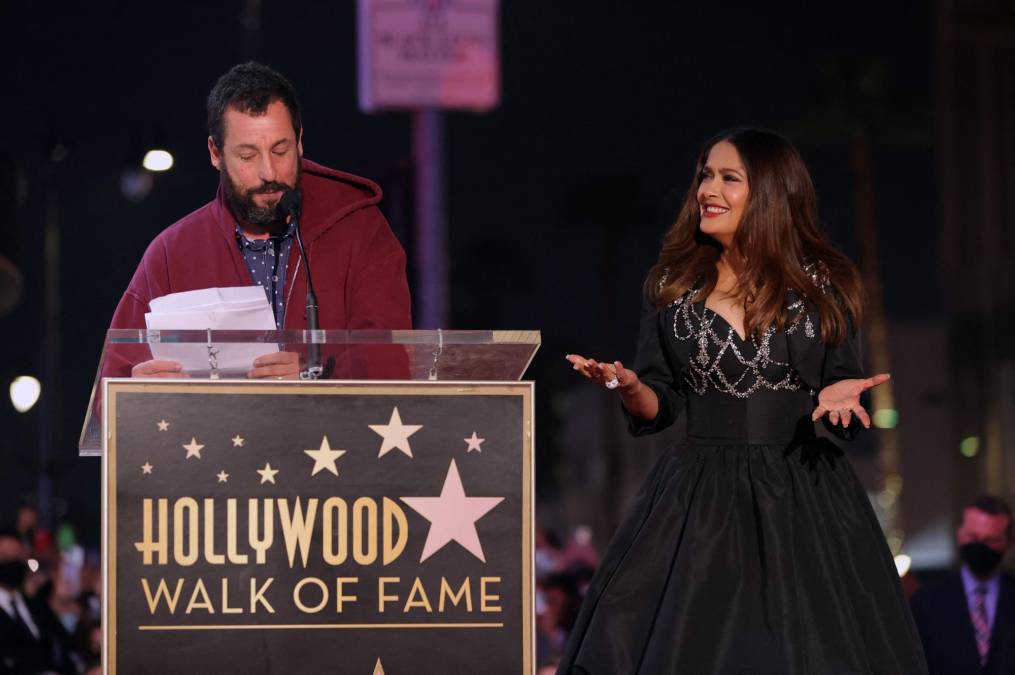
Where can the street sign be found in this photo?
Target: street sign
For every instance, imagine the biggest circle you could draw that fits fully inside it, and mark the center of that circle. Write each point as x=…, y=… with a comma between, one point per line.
x=428, y=54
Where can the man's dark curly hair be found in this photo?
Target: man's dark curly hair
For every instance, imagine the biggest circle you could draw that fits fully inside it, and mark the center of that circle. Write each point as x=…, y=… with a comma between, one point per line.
x=995, y=506
x=249, y=88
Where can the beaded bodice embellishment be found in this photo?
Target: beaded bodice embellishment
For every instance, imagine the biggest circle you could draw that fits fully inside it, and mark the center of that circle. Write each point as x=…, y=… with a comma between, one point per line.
x=716, y=340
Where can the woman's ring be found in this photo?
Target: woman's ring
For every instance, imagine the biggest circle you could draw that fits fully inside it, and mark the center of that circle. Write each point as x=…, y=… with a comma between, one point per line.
x=612, y=383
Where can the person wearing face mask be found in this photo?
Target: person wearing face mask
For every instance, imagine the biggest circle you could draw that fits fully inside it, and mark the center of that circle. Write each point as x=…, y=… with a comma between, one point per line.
x=967, y=622
x=752, y=547
x=31, y=637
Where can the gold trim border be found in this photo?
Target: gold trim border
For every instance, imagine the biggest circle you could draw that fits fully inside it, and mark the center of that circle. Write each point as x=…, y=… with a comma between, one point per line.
x=292, y=626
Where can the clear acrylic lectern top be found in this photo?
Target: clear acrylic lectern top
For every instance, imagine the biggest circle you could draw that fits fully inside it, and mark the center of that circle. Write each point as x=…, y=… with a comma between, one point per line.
x=324, y=354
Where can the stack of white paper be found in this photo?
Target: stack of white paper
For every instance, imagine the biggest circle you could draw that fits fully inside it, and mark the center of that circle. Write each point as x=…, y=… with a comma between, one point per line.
x=238, y=308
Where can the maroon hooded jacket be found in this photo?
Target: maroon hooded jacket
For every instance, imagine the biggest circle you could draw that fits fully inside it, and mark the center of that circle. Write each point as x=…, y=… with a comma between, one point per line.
x=357, y=263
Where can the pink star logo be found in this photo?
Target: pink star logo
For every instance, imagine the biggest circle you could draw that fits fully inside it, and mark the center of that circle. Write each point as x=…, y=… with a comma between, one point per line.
x=452, y=516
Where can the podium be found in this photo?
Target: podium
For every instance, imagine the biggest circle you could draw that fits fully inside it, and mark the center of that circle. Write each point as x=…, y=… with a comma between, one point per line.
x=376, y=520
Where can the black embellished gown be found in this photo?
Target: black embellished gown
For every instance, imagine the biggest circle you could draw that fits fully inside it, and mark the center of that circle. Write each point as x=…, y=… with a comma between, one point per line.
x=752, y=548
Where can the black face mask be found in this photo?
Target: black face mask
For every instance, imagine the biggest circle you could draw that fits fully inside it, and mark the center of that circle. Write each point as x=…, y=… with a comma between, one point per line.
x=980, y=558
x=12, y=573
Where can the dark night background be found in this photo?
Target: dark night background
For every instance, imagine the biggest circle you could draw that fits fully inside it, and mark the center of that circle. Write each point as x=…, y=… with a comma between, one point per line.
x=557, y=199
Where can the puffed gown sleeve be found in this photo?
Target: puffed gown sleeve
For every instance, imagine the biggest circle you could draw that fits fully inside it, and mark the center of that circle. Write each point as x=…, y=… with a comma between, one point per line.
x=658, y=370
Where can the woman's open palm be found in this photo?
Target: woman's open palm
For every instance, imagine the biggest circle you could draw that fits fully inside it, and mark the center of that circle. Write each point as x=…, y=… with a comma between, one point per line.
x=841, y=400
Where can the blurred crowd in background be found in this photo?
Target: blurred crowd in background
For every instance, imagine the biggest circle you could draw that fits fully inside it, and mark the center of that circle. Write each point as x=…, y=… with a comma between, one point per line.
x=563, y=571
x=55, y=625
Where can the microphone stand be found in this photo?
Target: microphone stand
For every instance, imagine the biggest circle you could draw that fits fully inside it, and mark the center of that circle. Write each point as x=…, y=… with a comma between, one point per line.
x=314, y=368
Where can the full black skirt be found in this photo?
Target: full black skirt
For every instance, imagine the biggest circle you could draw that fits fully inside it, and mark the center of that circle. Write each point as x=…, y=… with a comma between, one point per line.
x=747, y=560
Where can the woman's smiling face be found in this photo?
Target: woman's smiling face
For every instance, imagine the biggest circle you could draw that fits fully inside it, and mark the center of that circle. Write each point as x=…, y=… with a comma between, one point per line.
x=722, y=192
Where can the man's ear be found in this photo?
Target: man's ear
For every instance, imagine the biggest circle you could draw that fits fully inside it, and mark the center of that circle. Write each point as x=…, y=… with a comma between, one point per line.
x=299, y=144
x=214, y=154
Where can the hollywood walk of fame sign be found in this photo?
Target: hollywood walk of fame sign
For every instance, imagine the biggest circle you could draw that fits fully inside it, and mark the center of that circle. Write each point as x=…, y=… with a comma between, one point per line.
x=318, y=527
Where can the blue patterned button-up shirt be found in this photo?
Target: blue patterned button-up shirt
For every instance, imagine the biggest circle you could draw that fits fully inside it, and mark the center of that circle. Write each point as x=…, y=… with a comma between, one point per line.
x=267, y=260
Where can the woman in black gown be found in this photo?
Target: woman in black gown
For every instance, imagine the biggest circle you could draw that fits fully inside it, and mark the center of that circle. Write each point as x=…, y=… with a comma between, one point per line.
x=752, y=548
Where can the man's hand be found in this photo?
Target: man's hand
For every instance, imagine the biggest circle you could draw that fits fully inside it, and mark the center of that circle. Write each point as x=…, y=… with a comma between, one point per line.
x=280, y=366
x=158, y=368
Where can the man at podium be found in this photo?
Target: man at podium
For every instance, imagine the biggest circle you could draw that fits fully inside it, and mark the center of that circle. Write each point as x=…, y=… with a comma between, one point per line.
x=241, y=238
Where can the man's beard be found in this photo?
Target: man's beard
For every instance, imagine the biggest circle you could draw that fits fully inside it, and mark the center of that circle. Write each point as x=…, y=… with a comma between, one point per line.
x=258, y=219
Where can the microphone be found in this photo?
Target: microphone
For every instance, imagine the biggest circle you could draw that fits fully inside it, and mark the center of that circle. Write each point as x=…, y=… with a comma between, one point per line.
x=289, y=207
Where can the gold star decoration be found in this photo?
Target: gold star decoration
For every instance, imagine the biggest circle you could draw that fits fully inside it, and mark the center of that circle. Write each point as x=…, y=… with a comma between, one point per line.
x=395, y=434
x=267, y=474
x=146, y=468
x=163, y=425
x=222, y=476
x=193, y=448
x=474, y=443
x=324, y=458
x=238, y=441
x=378, y=668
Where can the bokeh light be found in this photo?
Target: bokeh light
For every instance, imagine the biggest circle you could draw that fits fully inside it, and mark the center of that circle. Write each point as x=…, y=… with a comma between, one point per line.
x=25, y=391
x=157, y=160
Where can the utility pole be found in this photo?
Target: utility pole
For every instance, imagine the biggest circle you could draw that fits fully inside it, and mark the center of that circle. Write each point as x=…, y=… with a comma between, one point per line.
x=431, y=241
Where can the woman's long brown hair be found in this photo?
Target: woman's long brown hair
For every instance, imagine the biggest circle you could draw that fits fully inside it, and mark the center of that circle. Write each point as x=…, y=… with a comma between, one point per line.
x=778, y=238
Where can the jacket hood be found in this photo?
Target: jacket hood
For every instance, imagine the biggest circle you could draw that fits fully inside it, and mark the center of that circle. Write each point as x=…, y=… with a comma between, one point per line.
x=328, y=197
